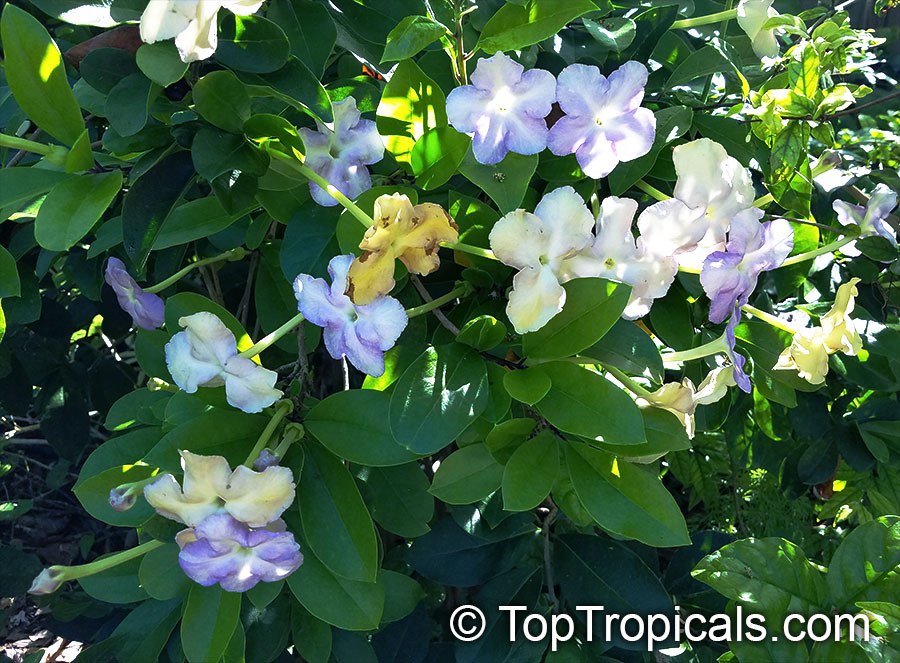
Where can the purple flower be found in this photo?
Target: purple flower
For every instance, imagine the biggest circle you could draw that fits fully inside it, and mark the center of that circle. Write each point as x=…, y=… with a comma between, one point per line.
x=604, y=122
x=340, y=152
x=205, y=354
x=221, y=550
x=741, y=379
x=361, y=333
x=729, y=277
x=503, y=109
x=146, y=309
x=871, y=219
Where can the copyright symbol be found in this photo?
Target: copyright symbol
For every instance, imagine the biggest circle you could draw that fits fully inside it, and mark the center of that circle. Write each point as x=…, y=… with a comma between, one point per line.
x=467, y=623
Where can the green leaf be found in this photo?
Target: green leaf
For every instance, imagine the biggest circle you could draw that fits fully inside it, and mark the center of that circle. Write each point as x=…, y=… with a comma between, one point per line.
x=36, y=76
x=150, y=201
x=592, y=307
x=309, y=29
x=347, y=604
x=9, y=275
x=128, y=104
x=467, y=475
x=770, y=576
x=514, y=27
x=354, y=425
x=436, y=156
x=671, y=123
x=664, y=433
x=790, y=179
x=193, y=220
x=531, y=472
x=221, y=100
x=410, y=36
x=252, y=44
x=803, y=72
x=411, y=104
x=309, y=241
x=118, y=584
x=650, y=26
x=146, y=630
x=702, y=62
x=296, y=85
x=527, y=386
x=628, y=347
x=210, y=618
x=401, y=595
x=72, y=208
x=437, y=397
x=866, y=566
x=585, y=403
x=312, y=636
x=161, y=63
x=614, y=33
x=507, y=436
x=20, y=185
x=482, y=333
x=161, y=576
x=336, y=524
x=625, y=499
x=505, y=182
x=93, y=493
x=398, y=498
x=216, y=152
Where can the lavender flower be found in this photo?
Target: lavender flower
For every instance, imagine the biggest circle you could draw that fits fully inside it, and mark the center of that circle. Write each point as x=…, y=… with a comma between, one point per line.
x=729, y=277
x=741, y=379
x=604, y=122
x=871, y=219
x=209, y=487
x=147, y=310
x=362, y=333
x=47, y=581
x=224, y=551
x=503, y=109
x=340, y=152
x=206, y=355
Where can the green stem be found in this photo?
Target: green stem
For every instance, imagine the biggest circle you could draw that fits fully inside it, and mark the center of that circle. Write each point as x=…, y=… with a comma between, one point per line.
x=706, y=350
x=633, y=386
x=769, y=318
x=653, y=191
x=268, y=340
x=815, y=253
x=84, y=570
x=709, y=19
x=282, y=409
x=233, y=254
x=17, y=143
x=307, y=172
x=293, y=433
x=474, y=250
x=763, y=201
x=459, y=291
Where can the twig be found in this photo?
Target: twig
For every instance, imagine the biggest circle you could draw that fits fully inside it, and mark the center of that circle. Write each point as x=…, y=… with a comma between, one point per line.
x=417, y=284
x=548, y=561
x=18, y=156
x=244, y=306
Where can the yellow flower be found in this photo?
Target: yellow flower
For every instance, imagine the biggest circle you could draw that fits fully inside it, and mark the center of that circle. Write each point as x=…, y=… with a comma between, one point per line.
x=809, y=349
x=411, y=233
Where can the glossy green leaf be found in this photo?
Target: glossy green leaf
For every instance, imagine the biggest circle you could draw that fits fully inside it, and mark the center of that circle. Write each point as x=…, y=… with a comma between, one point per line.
x=528, y=385
x=866, y=566
x=628, y=347
x=161, y=576
x=222, y=100
x=161, y=63
x=9, y=275
x=398, y=498
x=614, y=33
x=210, y=618
x=73, y=207
x=128, y=104
x=505, y=182
x=410, y=36
x=252, y=44
x=516, y=26
x=436, y=156
x=531, y=472
x=309, y=29
x=466, y=476
x=336, y=523
x=482, y=333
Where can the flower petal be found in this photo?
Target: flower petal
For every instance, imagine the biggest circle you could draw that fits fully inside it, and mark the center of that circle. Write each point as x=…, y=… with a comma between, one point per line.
x=248, y=386
x=535, y=298
x=258, y=498
x=518, y=239
x=164, y=19
x=566, y=223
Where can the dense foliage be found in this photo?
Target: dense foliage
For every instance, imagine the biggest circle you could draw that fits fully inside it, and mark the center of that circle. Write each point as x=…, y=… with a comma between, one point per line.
x=546, y=303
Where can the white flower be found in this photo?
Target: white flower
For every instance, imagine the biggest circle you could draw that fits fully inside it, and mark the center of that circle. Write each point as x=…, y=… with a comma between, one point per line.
x=712, y=187
x=209, y=486
x=205, y=355
x=191, y=22
x=537, y=245
x=751, y=16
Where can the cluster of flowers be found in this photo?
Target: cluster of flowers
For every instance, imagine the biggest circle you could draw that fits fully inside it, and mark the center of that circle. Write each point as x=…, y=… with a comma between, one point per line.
x=505, y=110
x=235, y=536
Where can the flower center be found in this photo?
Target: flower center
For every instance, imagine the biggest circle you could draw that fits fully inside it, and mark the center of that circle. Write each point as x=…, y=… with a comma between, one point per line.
x=503, y=100
x=609, y=263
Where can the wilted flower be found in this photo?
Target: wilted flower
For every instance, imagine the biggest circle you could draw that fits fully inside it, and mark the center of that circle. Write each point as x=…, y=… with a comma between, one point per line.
x=713, y=188
x=809, y=349
x=362, y=333
x=209, y=486
x=871, y=219
x=604, y=122
x=340, y=152
x=47, y=581
x=224, y=551
x=751, y=16
x=649, y=267
x=146, y=309
x=191, y=22
x=503, y=109
x=206, y=355
x=715, y=385
x=729, y=277
x=411, y=233
x=538, y=245
x=741, y=379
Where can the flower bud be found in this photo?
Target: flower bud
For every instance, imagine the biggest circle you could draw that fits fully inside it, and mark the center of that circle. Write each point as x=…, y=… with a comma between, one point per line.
x=122, y=498
x=266, y=459
x=47, y=581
